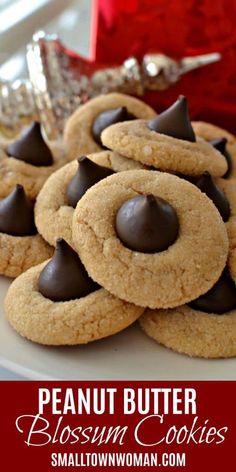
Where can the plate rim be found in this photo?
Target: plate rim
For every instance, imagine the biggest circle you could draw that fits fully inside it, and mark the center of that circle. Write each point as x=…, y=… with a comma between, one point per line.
x=26, y=372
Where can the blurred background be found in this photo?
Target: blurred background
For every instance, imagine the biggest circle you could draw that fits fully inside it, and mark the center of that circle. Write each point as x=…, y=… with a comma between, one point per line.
x=121, y=28
x=19, y=19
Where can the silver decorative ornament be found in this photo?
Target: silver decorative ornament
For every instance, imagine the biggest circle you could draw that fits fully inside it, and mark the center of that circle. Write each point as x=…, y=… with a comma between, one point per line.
x=60, y=80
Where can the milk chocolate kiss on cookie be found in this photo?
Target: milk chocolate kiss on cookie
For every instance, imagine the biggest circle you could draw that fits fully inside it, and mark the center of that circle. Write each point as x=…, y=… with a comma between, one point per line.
x=17, y=214
x=31, y=147
x=64, y=278
x=208, y=186
x=87, y=175
x=220, y=145
x=108, y=118
x=220, y=299
x=174, y=121
x=147, y=224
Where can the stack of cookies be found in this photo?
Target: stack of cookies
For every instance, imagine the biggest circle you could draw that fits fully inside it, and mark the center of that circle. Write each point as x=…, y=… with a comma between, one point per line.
x=143, y=224
x=25, y=164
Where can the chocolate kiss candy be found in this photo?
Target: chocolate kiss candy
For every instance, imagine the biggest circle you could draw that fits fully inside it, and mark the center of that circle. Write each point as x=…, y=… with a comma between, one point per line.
x=87, y=175
x=64, y=277
x=147, y=224
x=108, y=118
x=31, y=147
x=220, y=299
x=17, y=214
x=220, y=145
x=208, y=186
x=174, y=121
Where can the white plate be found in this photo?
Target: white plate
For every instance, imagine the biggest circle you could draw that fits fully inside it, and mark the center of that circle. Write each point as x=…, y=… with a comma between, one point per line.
x=130, y=355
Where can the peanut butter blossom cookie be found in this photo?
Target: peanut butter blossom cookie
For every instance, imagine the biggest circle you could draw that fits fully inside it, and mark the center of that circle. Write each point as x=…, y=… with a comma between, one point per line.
x=150, y=238
x=222, y=140
x=28, y=161
x=204, y=328
x=59, y=304
x=83, y=129
x=222, y=194
x=59, y=196
x=232, y=253
x=208, y=185
x=166, y=142
x=21, y=246
x=228, y=187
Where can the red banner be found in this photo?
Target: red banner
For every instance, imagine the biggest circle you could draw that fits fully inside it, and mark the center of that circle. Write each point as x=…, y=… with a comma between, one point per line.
x=185, y=426
x=122, y=28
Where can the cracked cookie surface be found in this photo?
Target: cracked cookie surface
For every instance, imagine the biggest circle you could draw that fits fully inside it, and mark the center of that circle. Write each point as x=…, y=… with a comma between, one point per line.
x=188, y=268
x=78, y=136
x=136, y=141
x=53, y=215
x=80, y=321
x=14, y=171
x=192, y=332
x=20, y=253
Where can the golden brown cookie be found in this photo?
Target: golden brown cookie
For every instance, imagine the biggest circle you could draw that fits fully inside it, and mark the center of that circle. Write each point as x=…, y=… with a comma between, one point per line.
x=14, y=171
x=222, y=193
x=28, y=160
x=5, y=140
x=211, y=132
x=78, y=321
x=232, y=260
x=232, y=233
x=192, y=332
x=18, y=254
x=231, y=228
x=78, y=137
x=135, y=140
x=20, y=245
x=8, y=134
x=229, y=189
x=188, y=268
x=53, y=214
